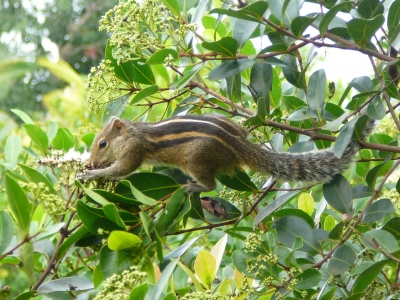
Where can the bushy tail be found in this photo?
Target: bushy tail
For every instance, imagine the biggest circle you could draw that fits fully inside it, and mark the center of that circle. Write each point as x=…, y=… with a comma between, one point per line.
x=312, y=166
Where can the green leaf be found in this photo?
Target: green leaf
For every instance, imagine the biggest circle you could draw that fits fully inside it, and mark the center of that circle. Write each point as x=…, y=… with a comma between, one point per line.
x=261, y=82
x=378, y=210
x=18, y=202
x=344, y=138
x=308, y=279
x=95, y=219
x=337, y=231
x=120, y=240
x=393, y=22
x=284, y=11
x=174, y=206
x=230, y=68
x=153, y=185
x=341, y=261
x=329, y=223
x=273, y=206
x=362, y=30
x=293, y=103
x=109, y=263
x=338, y=194
x=115, y=107
x=242, y=31
x=379, y=240
x=12, y=149
x=62, y=285
x=71, y=240
x=227, y=46
x=119, y=200
x=163, y=281
x=139, y=292
x=173, y=6
x=365, y=278
x=252, y=12
x=146, y=92
x=376, y=109
x=178, y=252
x=331, y=13
x=111, y=211
x=27, y=258
x=205, y=267
x=316, y=92
x=300, y=23
x=306, y=203
x=239, y=181
x=63, y=140
x=6, y=230
x=294, y=212
x=23, y=115
x=123, y=71
x=26, y=295
x=93, y=195
x=290, y=227
x=291, y=72
x=362, y=84
x=393, y=226
x=370, y=8
x=35, y=176
x=38, y=136
x=143, y=73
x=373, y=175
x=160, y=56
x=240, y=260
x=189, y=73
x=13, y=68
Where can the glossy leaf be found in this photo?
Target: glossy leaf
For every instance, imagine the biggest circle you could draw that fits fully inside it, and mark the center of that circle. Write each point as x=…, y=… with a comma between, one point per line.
x=64, y=284
x=111, y=211
x=12, y=149
x=226, y=46
x=81, y=232
x=35, y=176
x=160, y=56
x=174, y=206
x=120, y=240
x=329, y=223
x=18, y=202
x=146, y=92
x=284, y=11
x=379, y=239
x=6, y=230
x=153, y=185
x=365, y=278
x=308, y=279
x=373, y=175
x=173, y=6
x=294, y=212
x=189, y=73
x=316, y=92
x=301, y=23
x=393, y=226
x=163, y=281
x=376, y=109
x=230, y=68
x=178, y=252
x=330, y=15
x=23, y=115
x=344, y=138
x=378, y=210
x=341, y=261
x=239, y=181
x=38, y=136
x=27, y=259
x=393, y=24
x=362, y=30
x=306, y=203
x=290, y=227
x=139, y=292
x=291, y=72
x=370, y=8
x=338, y=194
x=273, y=206
x=205, y=267
x=242, y=31
x=116, y=107
x=252, y=12
x=261, y=82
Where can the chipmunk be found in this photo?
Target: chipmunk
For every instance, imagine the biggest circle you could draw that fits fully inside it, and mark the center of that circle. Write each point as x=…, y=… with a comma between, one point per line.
x=203, y=147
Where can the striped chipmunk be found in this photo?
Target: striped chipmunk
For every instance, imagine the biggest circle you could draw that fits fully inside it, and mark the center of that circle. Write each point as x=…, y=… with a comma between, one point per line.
x=203, y=147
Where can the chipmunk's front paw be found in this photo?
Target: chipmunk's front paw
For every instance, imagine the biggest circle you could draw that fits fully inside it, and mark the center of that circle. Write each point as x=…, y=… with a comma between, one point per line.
x=85, y=175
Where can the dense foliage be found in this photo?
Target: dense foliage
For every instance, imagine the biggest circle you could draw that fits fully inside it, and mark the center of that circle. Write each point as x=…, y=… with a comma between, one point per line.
x=143, y=237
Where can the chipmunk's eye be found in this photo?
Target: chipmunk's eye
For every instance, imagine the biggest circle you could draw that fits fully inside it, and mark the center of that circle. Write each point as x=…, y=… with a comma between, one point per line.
x=102, y=143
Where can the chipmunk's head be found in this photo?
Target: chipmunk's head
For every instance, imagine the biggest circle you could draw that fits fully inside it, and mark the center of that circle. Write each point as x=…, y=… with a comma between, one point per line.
x=106, y=145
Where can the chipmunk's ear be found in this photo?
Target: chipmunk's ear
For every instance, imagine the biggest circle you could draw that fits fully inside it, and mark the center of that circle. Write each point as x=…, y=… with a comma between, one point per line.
x=117, y=125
